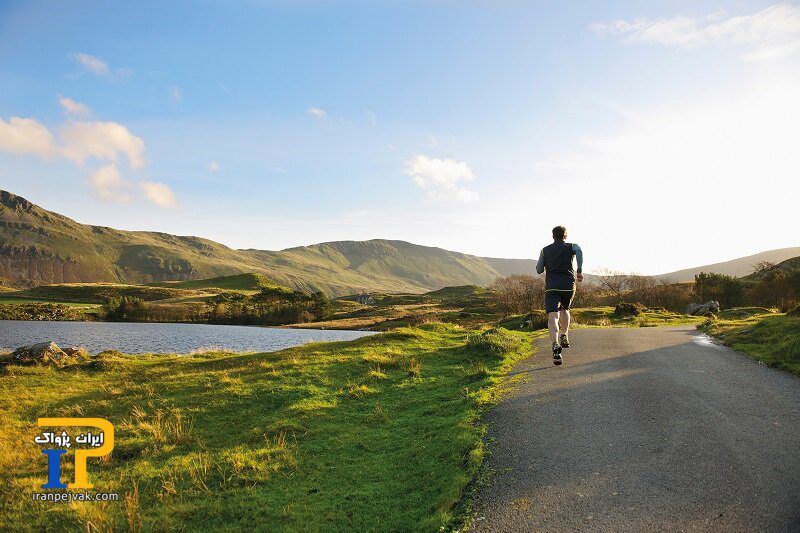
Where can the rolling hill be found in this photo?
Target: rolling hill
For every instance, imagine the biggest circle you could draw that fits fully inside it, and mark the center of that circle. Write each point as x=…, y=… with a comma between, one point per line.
x=740, y=267
x=39, y=247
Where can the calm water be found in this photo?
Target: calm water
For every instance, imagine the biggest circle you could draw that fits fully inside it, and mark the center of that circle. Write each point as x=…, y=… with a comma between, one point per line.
x=161, y=338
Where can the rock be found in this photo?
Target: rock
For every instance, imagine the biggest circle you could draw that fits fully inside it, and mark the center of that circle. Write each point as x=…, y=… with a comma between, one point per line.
x=706, y=309
x=78, y=353
x=48, y=353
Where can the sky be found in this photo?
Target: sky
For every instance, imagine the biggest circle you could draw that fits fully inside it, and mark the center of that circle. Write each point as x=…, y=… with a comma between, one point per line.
x=663, y=134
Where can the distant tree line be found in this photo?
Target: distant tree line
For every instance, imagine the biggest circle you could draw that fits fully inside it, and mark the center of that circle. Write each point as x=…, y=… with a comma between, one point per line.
x=771, y=286
x=269, y=307
x=774, y=287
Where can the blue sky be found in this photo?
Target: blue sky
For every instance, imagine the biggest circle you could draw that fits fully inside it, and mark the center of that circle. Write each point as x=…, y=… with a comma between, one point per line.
x=658, y=132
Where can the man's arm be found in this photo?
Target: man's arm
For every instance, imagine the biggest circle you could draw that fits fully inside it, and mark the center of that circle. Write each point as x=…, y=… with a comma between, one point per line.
x=540, y=264
x=579, y=260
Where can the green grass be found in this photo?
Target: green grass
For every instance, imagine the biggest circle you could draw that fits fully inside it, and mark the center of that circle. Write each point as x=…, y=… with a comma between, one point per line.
x=382, y=433
x=18, y=301
x=605, y=317
x=773, y=339
x=237, y=282
x=97, y=292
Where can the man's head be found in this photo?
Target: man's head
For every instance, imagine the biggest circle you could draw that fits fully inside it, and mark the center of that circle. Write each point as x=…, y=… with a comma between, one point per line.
x=559, y=233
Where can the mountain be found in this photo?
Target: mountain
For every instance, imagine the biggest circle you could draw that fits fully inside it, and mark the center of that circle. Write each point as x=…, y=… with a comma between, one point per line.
x=38, y=247
x=735, y=267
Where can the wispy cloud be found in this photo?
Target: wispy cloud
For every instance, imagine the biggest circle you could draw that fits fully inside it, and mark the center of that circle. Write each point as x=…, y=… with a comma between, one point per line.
x=769, y=33
x=92, y=64
x=73, y=108
x=97, y=66
x=443, y=179
x=213, y=167
x=175, y=94
x=316, y=112
x=160, y=194
x=108, y=186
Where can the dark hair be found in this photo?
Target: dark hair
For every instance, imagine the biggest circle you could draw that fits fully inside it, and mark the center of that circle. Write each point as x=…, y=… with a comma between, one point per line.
x=559, y=232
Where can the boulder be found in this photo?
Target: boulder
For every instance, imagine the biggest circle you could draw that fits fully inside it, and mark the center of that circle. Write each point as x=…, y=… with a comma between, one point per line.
x=46, y=353
x=706, y=309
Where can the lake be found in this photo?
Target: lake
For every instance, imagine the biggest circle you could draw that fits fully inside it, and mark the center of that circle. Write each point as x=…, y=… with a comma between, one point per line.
x=142, y=337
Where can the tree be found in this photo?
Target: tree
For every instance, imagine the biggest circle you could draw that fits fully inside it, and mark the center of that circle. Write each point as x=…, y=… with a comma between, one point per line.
x=518, y=294
x=615, y=282
x=729, y=291
x=763, y=266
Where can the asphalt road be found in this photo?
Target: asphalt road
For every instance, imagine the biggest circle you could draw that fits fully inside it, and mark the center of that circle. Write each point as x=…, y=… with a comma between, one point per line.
x=646, y=429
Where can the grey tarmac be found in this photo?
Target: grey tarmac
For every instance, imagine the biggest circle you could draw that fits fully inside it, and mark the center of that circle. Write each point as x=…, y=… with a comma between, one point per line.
x=649, y=429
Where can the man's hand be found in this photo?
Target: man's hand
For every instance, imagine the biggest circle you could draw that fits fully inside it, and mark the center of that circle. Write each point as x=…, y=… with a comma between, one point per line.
x=579, y=277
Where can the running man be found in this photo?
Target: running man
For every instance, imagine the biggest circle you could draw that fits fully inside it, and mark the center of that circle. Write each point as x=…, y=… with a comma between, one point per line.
x=559, y=285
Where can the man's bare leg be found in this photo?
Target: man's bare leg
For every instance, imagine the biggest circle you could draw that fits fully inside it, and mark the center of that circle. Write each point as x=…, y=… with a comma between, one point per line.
x=552, y=325
x=564, y=319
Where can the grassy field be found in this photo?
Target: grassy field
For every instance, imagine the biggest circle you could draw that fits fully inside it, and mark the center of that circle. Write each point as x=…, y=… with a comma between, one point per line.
x=382, y=433
x=18, y=301
x=97, y=292
x=773, y=339
x=245, y=283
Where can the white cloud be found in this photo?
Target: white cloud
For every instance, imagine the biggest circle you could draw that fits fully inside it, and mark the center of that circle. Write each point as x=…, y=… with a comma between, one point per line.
x=213, y=166
x=443, y=179
x=772, y=32
x=101, y=140
x=109, y=186
x=81, y=141
x=92, y=64
x=72, y=107
x=372, y=118
x=26, y=136
x=175, y=93
x=316, y=112
x=159, y=194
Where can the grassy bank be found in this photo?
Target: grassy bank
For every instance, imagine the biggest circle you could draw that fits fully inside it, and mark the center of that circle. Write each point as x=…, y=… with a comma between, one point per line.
x=379, y=433
x=584, y=317
x=773, y=339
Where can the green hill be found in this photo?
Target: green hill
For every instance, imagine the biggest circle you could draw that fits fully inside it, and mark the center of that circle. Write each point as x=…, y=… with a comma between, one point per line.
x=786, y=266
x=99, y=292
x=40, y=247
x=236, y=282
x=736, y=267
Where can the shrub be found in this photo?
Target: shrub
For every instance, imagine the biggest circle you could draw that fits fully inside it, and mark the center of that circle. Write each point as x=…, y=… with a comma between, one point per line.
x=629, y=309
x=494, y=341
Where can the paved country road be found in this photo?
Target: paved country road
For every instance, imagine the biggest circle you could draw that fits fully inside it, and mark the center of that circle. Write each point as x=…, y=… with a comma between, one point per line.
x=646, y=429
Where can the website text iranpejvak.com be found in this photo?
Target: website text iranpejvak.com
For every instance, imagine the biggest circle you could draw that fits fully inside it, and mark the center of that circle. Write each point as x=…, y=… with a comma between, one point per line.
x=86, y=444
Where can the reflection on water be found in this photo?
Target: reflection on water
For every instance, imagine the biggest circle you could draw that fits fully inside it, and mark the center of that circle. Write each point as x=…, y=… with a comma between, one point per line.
x=162, y=338
x=704, y=340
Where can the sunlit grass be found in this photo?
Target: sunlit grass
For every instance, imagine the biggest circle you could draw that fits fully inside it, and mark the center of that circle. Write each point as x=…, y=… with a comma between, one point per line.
x=773, y=339
x=380, y=433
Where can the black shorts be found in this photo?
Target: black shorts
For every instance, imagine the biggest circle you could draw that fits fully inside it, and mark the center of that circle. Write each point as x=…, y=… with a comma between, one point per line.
x=555, y=299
